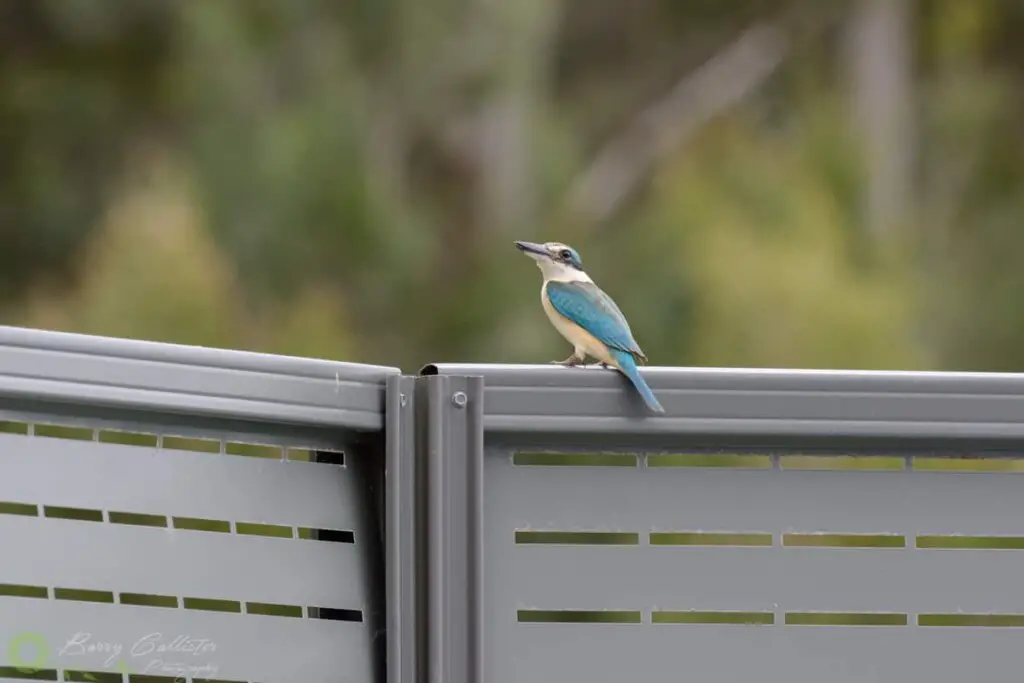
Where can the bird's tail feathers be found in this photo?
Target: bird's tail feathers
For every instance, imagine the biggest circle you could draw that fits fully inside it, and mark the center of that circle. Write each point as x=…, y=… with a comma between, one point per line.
x=627, y=364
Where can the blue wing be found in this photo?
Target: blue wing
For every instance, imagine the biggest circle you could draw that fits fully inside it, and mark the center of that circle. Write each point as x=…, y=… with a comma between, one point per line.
x=586, y=305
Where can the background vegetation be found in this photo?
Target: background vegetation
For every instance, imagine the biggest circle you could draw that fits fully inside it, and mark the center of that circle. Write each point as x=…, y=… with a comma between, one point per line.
x=796, y=184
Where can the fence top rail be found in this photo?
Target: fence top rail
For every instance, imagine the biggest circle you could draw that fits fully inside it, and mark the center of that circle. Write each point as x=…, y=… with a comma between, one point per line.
x=749, y=406
x=45, y=367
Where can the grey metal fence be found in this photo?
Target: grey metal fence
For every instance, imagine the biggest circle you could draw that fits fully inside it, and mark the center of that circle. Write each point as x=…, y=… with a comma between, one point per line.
x=774, y=526
x=195, y=514
x=186, y=514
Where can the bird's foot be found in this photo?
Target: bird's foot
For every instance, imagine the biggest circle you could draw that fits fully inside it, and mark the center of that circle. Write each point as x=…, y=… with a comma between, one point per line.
x=569, y=362
x=604, y=365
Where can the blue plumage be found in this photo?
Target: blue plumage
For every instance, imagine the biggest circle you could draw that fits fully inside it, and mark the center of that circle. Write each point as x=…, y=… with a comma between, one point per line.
x=628, y=366
x=586, y=305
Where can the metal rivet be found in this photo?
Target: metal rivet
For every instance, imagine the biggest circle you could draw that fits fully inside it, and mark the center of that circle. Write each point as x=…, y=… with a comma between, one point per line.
x=459, y=399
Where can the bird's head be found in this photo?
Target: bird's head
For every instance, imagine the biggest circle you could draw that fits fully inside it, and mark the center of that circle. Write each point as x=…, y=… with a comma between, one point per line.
x=556, y=260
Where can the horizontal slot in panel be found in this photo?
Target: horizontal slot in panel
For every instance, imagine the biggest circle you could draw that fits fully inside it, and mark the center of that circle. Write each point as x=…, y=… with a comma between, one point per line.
x=645, y=577
x=180, y=483
x=729, y=499
x=244, y=647
x=100, y=556
x=612, y=653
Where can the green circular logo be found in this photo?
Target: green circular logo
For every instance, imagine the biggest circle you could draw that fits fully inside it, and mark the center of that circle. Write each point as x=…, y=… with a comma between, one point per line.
x=42, y=651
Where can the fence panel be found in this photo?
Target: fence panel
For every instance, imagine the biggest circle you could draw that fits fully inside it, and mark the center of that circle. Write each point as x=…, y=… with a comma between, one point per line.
x=778, y=526
x=188, y=513
x=203, y=514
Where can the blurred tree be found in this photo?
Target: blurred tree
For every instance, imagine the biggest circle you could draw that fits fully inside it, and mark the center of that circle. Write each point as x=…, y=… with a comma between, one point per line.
x=881, y=73
x=80, y=84
x=348, y=177
x=777, y=282
x=153, y=272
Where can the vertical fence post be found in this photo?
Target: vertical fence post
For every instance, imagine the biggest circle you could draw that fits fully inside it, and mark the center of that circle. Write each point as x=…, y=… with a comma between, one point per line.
x=403, y=524
x=450, y=442
x=363, y=457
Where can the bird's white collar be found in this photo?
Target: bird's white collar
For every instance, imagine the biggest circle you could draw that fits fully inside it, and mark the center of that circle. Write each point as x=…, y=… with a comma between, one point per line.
x=558, y=272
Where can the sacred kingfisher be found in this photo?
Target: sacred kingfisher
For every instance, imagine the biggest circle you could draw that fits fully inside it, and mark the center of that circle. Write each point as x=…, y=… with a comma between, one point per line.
x=586, y=316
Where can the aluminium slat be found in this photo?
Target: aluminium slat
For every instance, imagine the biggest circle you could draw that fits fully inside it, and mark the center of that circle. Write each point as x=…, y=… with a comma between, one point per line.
x=611, y=653
x=709, y=578
x=85, y=474
x=122, y=374
x=545, y=404
x=177, y=562
x=774, y=501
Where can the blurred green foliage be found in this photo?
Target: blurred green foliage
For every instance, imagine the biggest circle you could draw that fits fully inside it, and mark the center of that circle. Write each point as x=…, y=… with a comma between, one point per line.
x=344, y=180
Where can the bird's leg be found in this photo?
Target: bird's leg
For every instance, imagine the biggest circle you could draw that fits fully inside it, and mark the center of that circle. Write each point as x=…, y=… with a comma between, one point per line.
x=574, y=359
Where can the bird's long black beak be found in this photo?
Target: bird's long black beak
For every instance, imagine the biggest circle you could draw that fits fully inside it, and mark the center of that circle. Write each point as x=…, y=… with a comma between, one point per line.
x=531, y=247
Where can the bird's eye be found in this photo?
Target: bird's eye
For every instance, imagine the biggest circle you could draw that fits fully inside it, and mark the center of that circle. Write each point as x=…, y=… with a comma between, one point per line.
x=566, y=254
